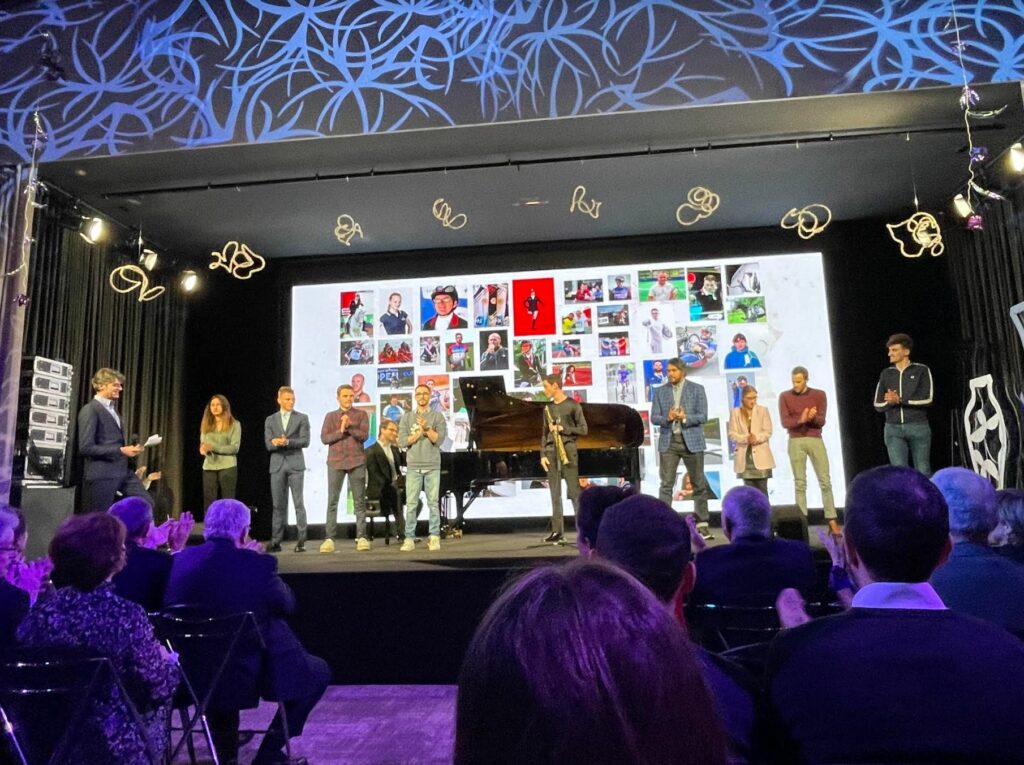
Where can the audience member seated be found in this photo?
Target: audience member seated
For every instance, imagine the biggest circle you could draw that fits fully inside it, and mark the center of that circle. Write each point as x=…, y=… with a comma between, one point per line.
x=144, y=576
x=31, y=576
x=753, y=568
x=898, y=677
x=87, y=550
x=581, y=664
x=14, y=601
x=590, y=507
x=223, y=576
x=975, y=579
x=1008, y=536
x=648, y=539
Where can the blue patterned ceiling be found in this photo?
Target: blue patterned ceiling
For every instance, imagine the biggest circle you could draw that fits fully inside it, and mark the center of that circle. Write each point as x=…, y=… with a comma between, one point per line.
x=162, y=74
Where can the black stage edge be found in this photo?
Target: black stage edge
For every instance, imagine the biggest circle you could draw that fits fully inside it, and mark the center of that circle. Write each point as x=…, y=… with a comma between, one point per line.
x=388, y=617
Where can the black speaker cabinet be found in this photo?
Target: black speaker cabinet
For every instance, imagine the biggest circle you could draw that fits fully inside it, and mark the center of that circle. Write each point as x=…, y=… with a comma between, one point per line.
x=789, y=523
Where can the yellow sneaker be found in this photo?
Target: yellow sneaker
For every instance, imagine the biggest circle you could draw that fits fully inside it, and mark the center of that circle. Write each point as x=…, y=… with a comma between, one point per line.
x=434, y=543
x=409, y=545
x=327, y=546
x=362, y=544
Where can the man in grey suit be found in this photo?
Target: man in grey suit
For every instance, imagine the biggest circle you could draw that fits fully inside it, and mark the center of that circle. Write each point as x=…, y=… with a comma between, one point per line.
x=286, y=434
x=680, y=409
x=102, y=444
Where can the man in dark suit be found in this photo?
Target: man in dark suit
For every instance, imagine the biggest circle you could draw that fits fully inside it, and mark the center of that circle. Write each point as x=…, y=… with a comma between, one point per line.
x=286, y=434
x=224, y=576
x=898, y=677
x=754, y=568
x=101, y=443
x=680, y=409
x=385, y=483
x=144, y=576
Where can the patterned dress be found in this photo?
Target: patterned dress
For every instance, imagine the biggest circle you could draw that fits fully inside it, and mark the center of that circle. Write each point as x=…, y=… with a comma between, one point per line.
x=120, y=630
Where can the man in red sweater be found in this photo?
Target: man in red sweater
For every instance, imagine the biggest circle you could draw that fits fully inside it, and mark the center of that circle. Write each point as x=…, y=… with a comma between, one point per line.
x=802, y=411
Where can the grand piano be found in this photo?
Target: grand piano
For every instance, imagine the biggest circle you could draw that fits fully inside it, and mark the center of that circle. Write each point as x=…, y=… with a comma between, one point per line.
x=504, y=442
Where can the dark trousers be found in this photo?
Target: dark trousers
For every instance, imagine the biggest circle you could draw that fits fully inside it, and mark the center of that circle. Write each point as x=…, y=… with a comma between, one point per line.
x=223, y=482
x=357, y=486
x=761, y=484
x=99, y=494
x=694, y=464
x=281, y=483
x=556, y=472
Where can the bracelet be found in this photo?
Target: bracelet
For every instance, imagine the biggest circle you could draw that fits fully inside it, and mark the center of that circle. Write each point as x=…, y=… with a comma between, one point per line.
x=838, y=579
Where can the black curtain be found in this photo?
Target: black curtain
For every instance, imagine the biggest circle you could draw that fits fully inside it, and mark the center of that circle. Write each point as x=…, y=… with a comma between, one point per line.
x=75, y=316
x=988, y=275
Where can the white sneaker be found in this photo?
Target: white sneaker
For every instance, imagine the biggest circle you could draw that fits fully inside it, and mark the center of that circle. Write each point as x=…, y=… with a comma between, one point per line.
x=362, y=544
x=409, y=545
x=327, y=546
x=434, y=543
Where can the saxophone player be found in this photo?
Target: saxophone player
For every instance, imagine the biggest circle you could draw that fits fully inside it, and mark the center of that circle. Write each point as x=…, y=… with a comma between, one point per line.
x=563, y=422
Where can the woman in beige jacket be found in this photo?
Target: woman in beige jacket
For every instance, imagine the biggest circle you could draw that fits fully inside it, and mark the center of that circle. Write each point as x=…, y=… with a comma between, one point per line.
x=750, y=427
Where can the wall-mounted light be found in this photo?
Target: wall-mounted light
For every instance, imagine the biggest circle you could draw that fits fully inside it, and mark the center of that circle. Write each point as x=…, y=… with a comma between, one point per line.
x=962, y=206
x=148, y=259
x=189, y=280
x=92, y=230
x=1017, y=157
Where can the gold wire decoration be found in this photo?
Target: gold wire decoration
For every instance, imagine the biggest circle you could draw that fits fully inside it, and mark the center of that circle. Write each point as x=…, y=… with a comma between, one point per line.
x=443, y=213
x=924, y=235
x=347, y=229
x=808, y=221
x=581, y=204
x=129, y=277
x=238, y=260
x=701, y=203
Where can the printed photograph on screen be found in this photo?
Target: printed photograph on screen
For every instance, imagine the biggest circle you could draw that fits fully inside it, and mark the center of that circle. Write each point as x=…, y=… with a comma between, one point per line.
x=744, y=352
x=396, y=351
x=440, y=392
x=620, y=287
x=713, y=438
x=583, y=290
x=356, y=352
x=747, y=310
x=735, y=382
x=645, y=417
x=578, y=321
x=460, y=431
x=743, y=279
x=358, y=383
x=396, y=314
x=490, y=305
x=655, y=374
x=458, y=355
x=371, y=415
x=565, y=349
x=657, y=321
x=443, y=307
x=530, y=364
x=396, y=377
x=533, y=306
x=665, y=284
x=494, y=353
x=430, y=350
x=697, y=346
x=575, y=374
x=705, y=294
x=614, y=315
x=621, y=381
x=356, y=313
x=394, y=405
x=685, y=491
x=579, y=395
x=613, y=344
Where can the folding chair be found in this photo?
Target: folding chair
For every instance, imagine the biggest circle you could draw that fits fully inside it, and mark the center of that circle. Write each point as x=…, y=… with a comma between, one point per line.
x=47, y=700
x=721, y=628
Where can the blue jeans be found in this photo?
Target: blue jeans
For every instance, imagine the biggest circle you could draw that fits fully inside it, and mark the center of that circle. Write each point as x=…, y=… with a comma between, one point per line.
x=429, y=482
x=912, y=437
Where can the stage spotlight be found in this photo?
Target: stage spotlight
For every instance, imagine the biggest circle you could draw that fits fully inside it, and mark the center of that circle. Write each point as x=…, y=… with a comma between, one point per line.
x=962, y=206
x=92, y=230
x=1017, y=157
x=189, y=280
x=148, y=259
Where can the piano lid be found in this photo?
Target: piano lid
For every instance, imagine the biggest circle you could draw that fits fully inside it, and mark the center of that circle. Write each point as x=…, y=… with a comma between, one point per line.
x=500, y=422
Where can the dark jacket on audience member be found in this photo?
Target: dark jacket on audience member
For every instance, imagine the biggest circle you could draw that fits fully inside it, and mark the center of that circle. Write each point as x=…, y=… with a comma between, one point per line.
x=224, y=579
x=752, y=571
x=978, y=581
x=144, y=577
x=13, y=607
x=898, y=685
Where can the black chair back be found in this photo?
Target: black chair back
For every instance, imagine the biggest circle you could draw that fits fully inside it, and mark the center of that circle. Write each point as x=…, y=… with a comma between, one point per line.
x=720, y=628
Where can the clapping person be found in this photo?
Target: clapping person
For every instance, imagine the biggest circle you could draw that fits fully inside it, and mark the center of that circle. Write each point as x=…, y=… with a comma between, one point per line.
x=750, y=427
x=144, y=576
x=32, y=577
x=220, y=436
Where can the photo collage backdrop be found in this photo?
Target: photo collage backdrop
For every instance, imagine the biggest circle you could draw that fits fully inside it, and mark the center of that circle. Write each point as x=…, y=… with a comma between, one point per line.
x=608, y=331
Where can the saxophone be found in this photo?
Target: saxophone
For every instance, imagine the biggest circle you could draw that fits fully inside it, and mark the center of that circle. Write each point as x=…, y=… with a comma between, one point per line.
x=559, y=444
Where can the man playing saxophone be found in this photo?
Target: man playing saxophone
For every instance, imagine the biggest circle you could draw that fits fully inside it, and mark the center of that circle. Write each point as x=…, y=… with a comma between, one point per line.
x=563, y=423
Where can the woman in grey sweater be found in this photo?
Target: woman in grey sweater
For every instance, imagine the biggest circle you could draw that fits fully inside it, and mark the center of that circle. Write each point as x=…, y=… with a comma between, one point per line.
x=220, y=435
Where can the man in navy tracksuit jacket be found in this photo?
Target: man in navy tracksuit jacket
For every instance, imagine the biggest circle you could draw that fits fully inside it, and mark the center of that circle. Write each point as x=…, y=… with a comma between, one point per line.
x=904, y=392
